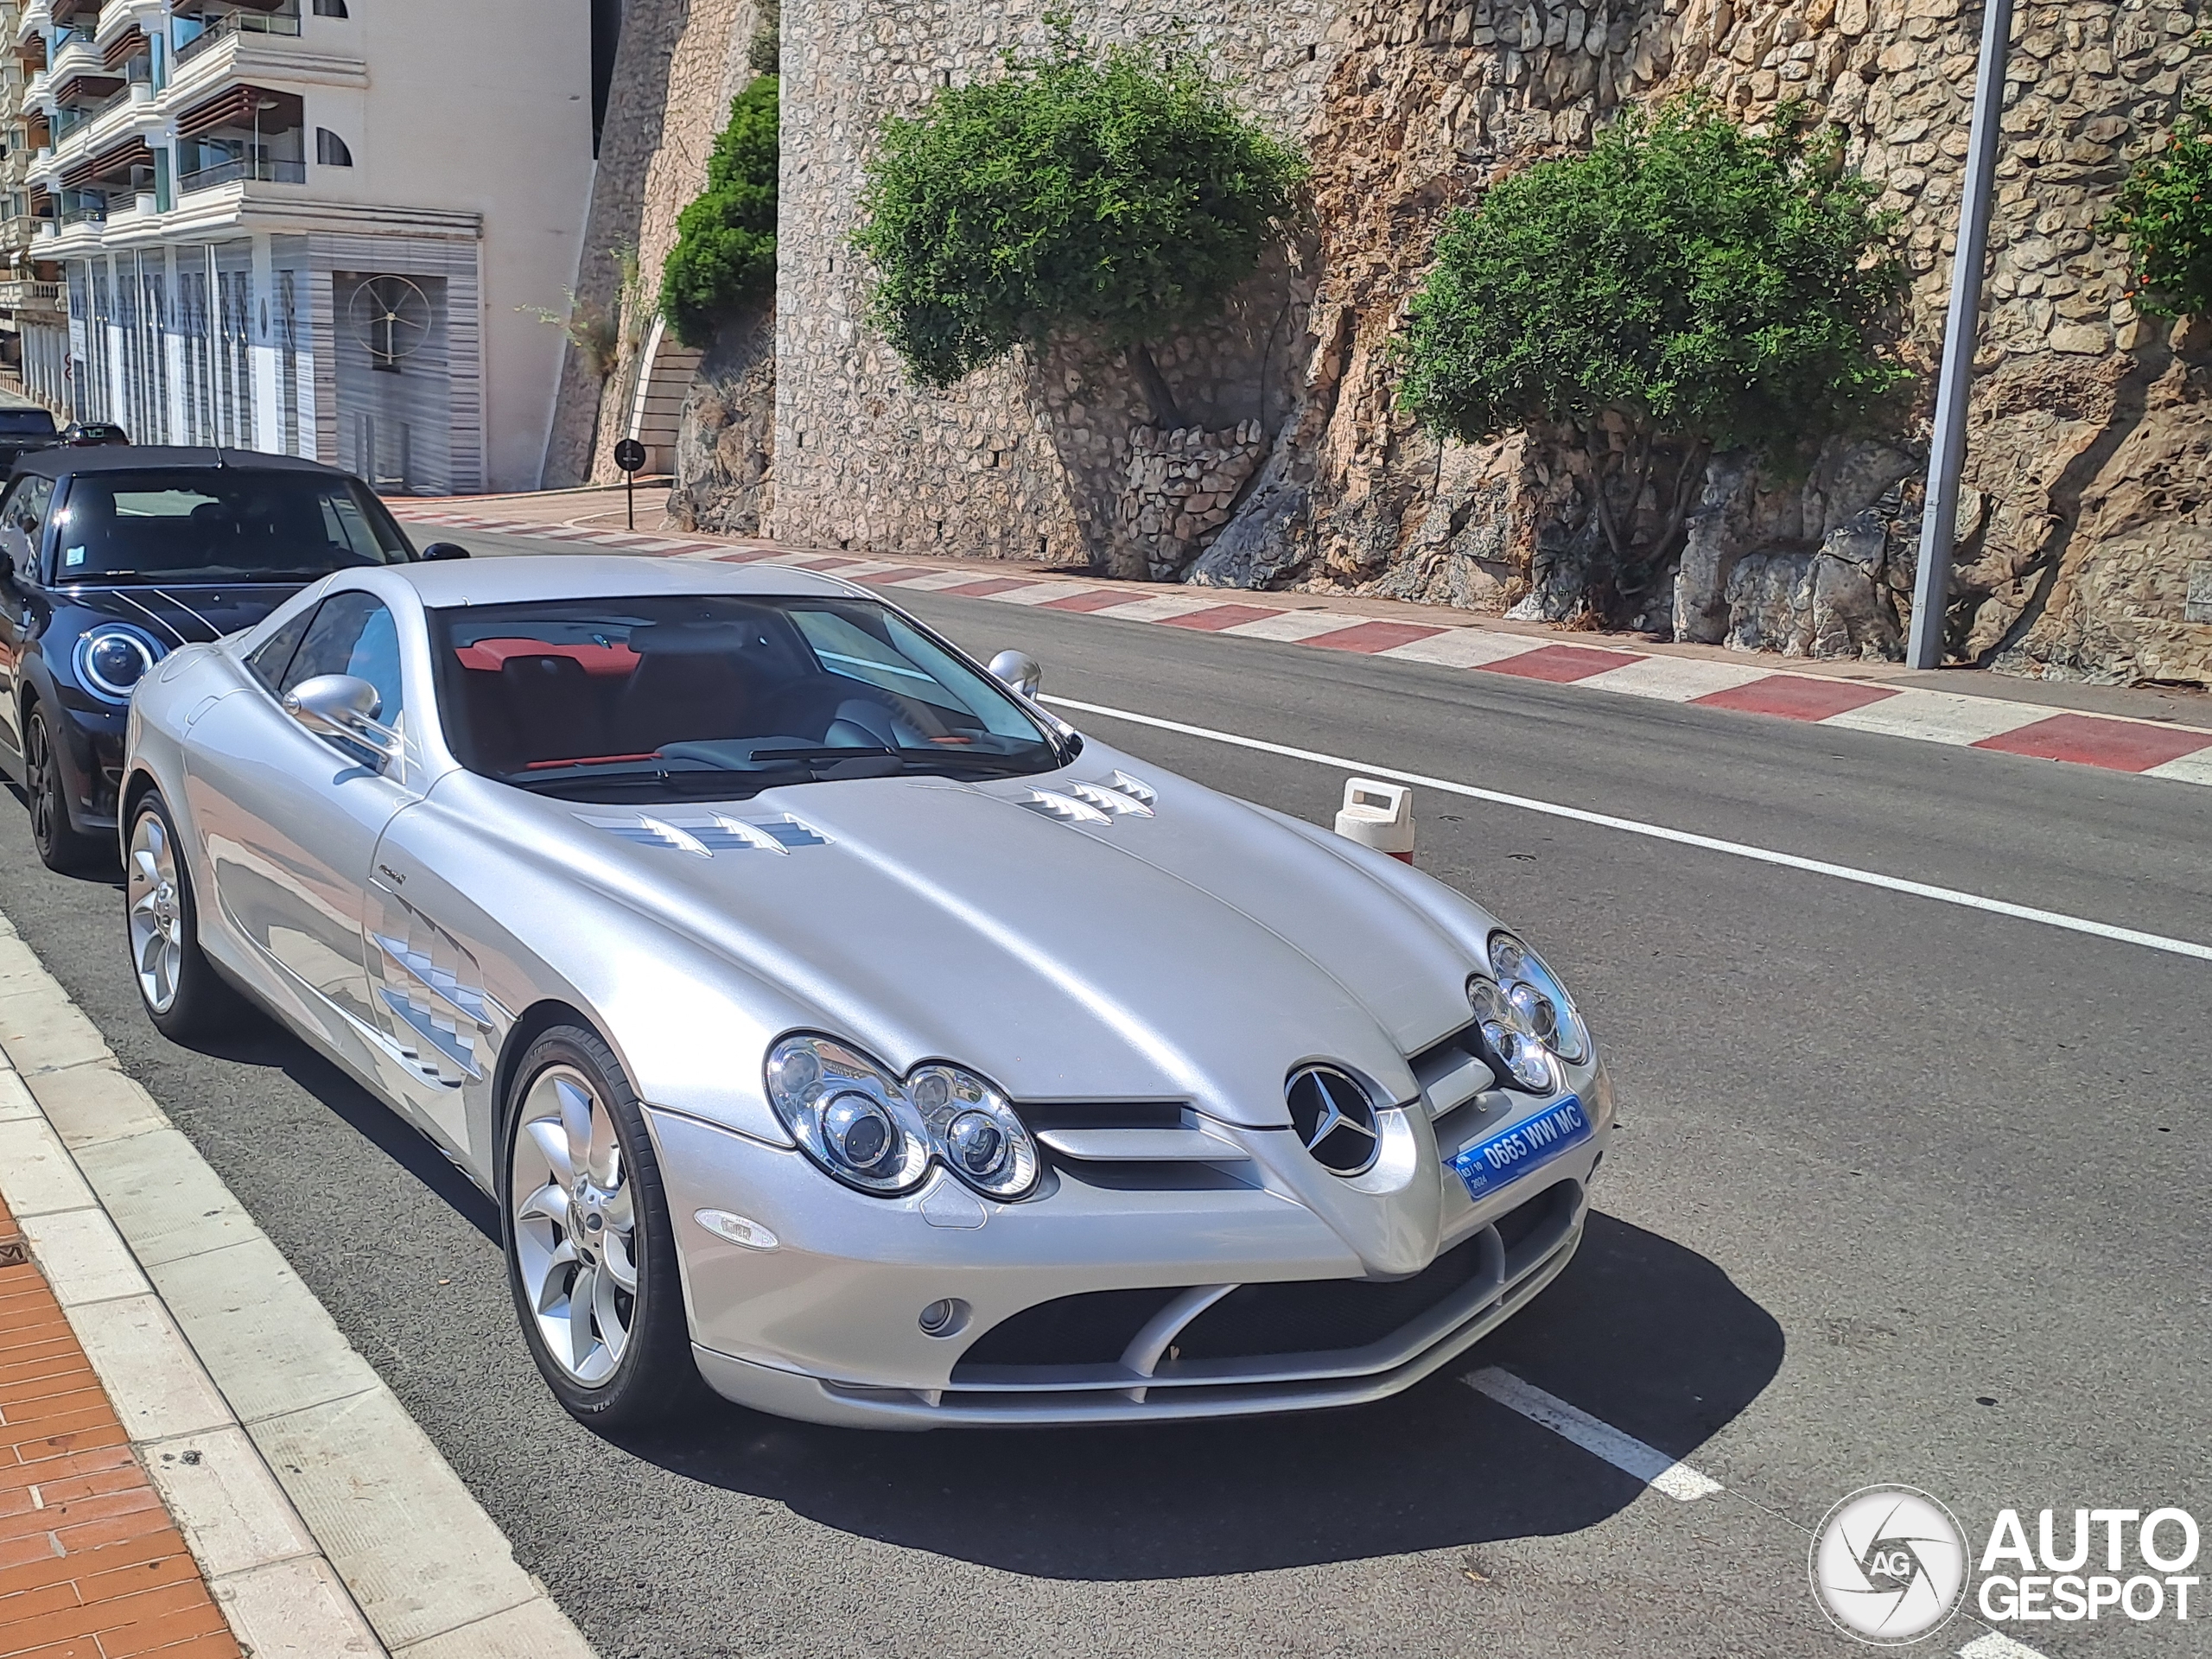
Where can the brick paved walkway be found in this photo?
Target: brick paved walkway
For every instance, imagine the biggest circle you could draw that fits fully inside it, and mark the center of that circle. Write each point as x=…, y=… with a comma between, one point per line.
x=91, y=1567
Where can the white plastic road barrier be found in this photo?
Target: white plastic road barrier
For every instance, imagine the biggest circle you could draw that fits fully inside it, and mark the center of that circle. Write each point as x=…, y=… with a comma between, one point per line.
x=1380, y=816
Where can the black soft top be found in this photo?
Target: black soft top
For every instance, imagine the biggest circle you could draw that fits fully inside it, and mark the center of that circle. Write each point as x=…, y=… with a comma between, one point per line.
x=141, y=458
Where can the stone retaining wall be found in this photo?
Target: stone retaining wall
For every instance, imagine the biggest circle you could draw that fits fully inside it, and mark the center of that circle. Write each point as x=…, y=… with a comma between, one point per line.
x=2091, y=426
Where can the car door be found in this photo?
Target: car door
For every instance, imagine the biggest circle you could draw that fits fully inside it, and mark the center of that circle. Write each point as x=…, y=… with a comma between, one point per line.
x=22, y=524
x=289, y=820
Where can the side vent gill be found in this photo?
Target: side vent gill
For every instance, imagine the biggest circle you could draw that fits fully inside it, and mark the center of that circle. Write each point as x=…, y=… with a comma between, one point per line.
x=1118, y=797
x=705, y=834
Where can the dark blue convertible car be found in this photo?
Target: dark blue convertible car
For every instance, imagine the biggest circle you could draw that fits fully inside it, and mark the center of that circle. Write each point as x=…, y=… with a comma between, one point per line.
x=110, y=559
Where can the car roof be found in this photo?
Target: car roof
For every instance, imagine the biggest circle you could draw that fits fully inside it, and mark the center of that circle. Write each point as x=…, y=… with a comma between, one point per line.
x=520, y=578
x=146, y=457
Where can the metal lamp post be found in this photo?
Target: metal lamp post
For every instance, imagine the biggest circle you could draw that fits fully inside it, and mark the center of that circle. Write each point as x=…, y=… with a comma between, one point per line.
x=1931, y=587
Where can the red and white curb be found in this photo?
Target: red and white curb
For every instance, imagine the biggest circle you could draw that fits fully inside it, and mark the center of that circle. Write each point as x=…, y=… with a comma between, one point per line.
x=327, y=1524
x=2155, y=748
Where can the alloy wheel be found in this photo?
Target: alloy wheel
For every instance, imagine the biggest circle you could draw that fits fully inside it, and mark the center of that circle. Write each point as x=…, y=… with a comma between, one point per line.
x=156, y=913
x=574, y=1226
x=39, y=776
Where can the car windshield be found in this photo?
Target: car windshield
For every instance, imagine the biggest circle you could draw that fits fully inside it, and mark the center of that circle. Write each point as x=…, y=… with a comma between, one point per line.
x=228, y=525
x=26, y=423
x=716, y=696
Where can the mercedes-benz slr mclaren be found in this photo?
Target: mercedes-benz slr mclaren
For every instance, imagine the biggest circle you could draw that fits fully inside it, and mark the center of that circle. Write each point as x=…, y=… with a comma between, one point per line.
x=833, y=1023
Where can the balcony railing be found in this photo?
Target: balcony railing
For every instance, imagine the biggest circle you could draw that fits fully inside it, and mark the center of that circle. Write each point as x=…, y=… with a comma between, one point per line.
x=237, y=22
x=85, y=212
x=273, y=172
x=24, y=295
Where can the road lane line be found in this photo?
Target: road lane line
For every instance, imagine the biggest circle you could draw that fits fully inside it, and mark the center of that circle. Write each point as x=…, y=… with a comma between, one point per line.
x=1601, y=1439
x=1661, y=832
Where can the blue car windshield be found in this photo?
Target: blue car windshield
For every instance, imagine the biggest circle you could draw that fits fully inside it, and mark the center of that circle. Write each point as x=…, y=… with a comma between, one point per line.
x=231, y=525
x=667, y=698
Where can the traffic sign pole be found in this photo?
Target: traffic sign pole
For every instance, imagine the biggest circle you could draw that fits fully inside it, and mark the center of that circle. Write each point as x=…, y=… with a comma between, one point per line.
x=630, y=456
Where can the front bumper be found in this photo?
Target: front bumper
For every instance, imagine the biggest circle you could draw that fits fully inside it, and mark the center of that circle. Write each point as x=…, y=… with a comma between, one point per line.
x=1092, y=1305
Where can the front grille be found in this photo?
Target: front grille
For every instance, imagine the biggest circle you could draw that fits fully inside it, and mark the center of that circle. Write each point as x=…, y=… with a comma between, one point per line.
x=1138, y=1146
x=1324, y=1316
x=1307, y=1326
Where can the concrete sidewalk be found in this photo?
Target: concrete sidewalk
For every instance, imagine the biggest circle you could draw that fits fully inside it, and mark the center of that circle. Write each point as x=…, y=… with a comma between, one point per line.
x=324, y=1523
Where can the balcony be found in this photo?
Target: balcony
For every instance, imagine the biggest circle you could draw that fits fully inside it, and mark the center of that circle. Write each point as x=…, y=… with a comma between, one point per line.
x=221, y=28
x=35, y=18
x=266, y=168
x=73, y=55
x=85, y=213
x=19, y=294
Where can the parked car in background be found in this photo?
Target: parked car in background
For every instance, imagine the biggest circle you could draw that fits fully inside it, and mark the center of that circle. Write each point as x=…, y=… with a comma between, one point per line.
x=90, y=434
x=831, y=1022
x=23, y=430
x=113, y=557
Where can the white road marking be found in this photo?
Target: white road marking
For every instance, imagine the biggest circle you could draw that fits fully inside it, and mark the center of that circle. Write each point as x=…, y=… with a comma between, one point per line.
x=2189, y=769
x=1042, y=593
x=1160, y=609
x=1990, y=1645
x=1939, y=717
x=1465, y=648
x=1293, y=626
x=1625, y=1451
x=1661, y=832
x=1675, y=679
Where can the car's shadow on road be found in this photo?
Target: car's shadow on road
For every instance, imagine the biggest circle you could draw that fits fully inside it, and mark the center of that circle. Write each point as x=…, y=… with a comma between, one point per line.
x=1652, y=1336
x=259, y=1041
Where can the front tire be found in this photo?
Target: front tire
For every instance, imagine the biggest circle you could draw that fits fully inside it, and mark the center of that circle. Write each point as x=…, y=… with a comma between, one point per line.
x=182, y=994
x=591, y=1255
x=61, y=846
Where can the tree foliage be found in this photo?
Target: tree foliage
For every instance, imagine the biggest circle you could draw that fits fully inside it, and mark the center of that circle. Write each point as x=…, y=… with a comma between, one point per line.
x=725, y=252
x=2162, y=211
x=1684, y=283
x=1120, y=193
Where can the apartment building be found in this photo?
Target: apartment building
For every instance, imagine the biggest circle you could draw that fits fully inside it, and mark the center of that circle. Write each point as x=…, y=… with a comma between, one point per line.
x=319, y=227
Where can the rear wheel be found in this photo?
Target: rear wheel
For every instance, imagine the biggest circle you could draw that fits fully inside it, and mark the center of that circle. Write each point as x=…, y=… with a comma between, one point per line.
x=184, y=996
x=591, y=1257
x=61, y=846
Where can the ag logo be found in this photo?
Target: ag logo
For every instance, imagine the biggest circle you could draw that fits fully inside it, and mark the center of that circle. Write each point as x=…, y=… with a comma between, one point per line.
x=1889, y=1565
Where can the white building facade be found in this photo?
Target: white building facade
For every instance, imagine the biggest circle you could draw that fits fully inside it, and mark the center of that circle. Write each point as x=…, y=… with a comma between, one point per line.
x=319, y=227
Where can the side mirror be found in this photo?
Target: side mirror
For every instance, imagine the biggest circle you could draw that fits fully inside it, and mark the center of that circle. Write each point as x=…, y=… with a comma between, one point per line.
x=340, y=706
x=1019, y=669
x=437, y=552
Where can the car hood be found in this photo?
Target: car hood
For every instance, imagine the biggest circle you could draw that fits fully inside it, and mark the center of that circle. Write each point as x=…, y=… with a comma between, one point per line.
x=182, y=613
x=1187, y=946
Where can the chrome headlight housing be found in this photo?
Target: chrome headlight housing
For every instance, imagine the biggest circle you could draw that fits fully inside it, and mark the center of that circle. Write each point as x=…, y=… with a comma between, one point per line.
x=879, y=1133
x=1526, y=1019
x=112, y=658
x=1547, y=1012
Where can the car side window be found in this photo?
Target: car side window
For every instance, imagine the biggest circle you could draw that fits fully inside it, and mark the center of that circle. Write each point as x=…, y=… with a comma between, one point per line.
x=26, y=508
x=352, y=633
x=267, y=661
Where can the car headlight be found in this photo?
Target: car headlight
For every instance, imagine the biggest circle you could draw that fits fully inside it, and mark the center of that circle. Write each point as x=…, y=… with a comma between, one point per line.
x=113, y=657
x=1507, y=1038
x=1547, y=1012
x=879, y=1134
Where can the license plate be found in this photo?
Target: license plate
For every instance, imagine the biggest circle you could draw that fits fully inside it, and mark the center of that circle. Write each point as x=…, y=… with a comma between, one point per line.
x=1506, y=1157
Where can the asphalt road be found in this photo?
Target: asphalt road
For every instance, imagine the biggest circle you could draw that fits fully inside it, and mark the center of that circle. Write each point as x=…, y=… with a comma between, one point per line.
x=1906, y=1193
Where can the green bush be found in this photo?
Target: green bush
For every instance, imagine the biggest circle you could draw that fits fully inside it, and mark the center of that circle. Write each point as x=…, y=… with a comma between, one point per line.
x=1120, y=194
x=2161, y=210
x=1686, y=283
x=725, y=251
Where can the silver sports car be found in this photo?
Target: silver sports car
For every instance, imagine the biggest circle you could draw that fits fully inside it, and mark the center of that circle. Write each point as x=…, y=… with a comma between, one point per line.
x=832, y=1023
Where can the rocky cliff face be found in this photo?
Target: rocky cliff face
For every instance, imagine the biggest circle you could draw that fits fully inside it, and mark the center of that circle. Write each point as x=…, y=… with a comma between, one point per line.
x=2086, y=508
